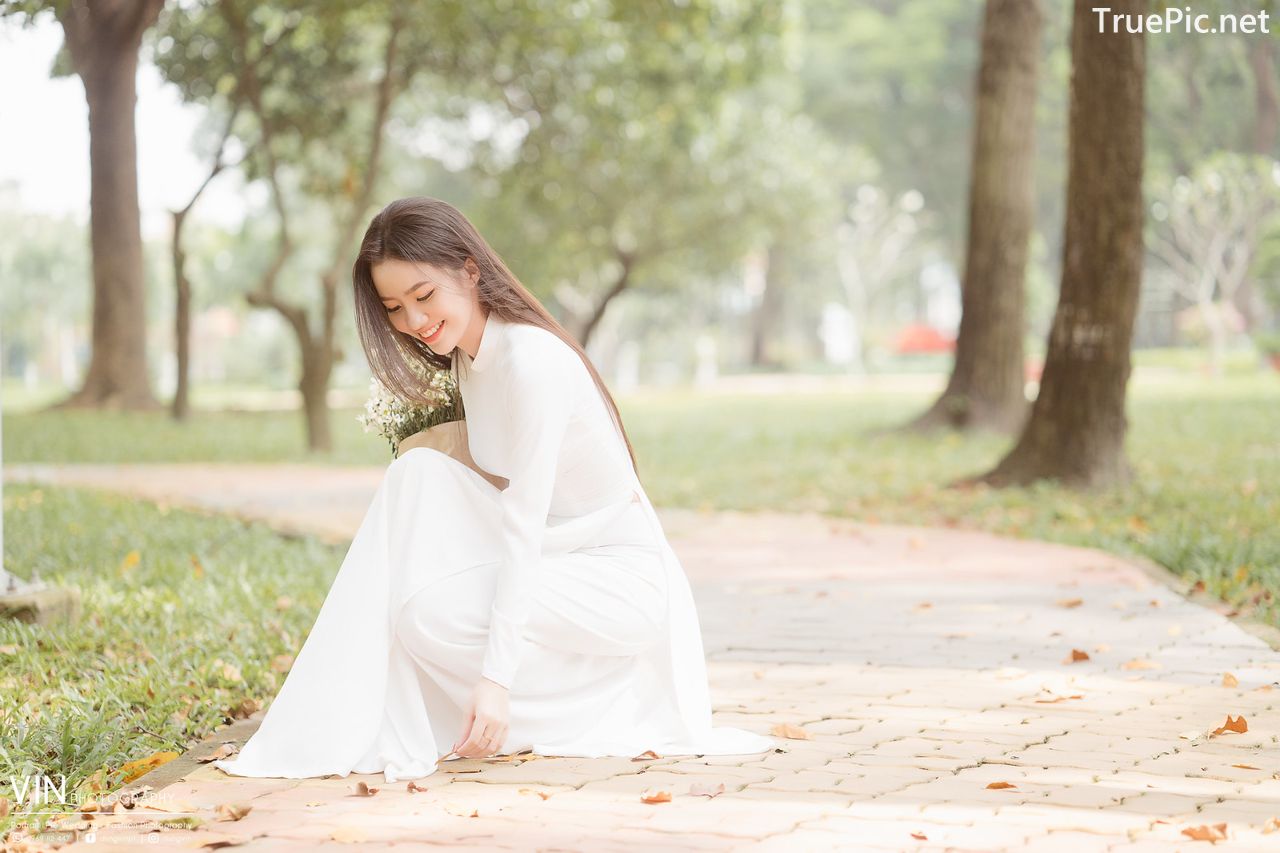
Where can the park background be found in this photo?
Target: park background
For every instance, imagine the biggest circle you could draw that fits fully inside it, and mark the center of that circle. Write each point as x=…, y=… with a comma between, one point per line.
x=756, y=216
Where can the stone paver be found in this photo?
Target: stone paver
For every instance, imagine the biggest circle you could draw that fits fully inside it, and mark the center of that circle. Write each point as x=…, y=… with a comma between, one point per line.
x=928, y=668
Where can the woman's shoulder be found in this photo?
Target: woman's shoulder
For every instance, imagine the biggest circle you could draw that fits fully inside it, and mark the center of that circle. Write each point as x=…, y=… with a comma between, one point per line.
x=533, y=348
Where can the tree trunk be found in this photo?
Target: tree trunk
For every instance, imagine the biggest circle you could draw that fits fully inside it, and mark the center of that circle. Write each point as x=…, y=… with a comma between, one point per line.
x=1076, y=430
x=985, y=389
x=620, y=284
x=181, y=406
x=316, y=369
x=764, y=323
x=103, y=40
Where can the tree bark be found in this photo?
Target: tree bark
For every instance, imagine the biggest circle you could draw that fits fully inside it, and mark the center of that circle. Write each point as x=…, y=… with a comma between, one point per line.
x=628, y=261
x=1076, y=430
x=985, y=389
x=103, y=40
x=764, y=322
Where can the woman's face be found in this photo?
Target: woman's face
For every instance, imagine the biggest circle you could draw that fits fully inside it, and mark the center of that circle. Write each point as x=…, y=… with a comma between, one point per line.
x=419, y=297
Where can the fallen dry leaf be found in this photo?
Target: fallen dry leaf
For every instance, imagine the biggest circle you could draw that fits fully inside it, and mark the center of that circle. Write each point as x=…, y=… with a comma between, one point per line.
x=232, y=811
x=363, y=790
x=225, y=751
x=655, y=797
x=133, y=769
x=544, y=794
x=414, y=787
x=1229, y=680
x=919, y=836
x=1076, y=654
x=1070, y=602
x=787, y=730
x=247, y=708
x=1238, y=725
x=1217, y=832
x=647, y=755
x=1246, y=766
x=998, y=785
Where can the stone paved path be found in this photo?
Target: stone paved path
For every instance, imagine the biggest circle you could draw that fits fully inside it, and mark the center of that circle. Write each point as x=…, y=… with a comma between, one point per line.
x=927, y=670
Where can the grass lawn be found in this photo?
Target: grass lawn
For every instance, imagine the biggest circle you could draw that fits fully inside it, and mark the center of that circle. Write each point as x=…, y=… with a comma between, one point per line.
x=187, y=620
x=178, y=635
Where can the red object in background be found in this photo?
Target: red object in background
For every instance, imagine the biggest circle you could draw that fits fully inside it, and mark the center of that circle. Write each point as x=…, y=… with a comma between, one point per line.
x=921, y=338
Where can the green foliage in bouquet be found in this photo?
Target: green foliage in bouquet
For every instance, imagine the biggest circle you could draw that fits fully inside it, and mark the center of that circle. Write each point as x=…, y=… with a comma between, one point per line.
x=397, y=419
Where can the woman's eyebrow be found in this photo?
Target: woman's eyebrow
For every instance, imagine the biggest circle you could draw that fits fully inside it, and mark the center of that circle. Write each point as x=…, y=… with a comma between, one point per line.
x=407, y=292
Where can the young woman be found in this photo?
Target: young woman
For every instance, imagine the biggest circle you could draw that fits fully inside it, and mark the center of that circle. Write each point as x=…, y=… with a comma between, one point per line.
x=469, y=621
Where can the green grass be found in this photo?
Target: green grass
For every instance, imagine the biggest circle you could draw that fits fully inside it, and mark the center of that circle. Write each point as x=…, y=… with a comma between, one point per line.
x=143, y=671
x=171, y=640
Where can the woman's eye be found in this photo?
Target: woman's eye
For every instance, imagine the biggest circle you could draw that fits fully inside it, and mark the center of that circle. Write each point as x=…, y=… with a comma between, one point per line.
x=396, y=308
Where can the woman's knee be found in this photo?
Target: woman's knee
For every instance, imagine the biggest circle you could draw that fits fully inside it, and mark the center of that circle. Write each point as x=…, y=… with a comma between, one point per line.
x=445, y=611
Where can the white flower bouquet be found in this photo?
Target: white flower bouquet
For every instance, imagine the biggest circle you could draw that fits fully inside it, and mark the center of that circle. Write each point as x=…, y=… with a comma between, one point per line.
x=397, y=419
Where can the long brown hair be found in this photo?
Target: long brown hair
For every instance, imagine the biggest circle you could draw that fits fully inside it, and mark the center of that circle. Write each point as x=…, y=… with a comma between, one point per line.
x=428, y=230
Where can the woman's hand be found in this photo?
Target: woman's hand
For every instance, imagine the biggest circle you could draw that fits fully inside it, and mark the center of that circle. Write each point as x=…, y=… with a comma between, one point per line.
x=485, y=730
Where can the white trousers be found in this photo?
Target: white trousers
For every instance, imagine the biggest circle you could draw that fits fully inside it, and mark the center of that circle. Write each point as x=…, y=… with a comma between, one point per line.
x=595, y=609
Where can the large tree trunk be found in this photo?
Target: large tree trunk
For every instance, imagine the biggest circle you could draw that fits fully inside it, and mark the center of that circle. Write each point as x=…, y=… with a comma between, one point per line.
x=103, y=38
x=1077, y=426
x=181, y=406
x=986, y=385
x=764, y=322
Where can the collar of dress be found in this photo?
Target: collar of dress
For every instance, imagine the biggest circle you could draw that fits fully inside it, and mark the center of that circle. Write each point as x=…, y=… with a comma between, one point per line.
x=489, y=340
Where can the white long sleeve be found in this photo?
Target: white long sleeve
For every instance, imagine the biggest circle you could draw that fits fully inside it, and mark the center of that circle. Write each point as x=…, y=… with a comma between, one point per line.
x=540, y=402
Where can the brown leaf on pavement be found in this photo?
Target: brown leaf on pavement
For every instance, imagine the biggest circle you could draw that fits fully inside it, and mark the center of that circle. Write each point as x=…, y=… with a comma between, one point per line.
x=655, y=796
x=225, y=751
x=1229, y=680
x=706, y=789
x=1076, y=654
x=1204, y=832
x=232, y=811
x=544, y=794
x=647, y=755
x=998, y=785
x=363, y=790
x=789, y=731
x=1238, y=725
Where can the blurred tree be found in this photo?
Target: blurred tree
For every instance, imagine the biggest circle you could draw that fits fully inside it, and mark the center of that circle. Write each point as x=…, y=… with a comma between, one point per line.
x=643, y=152
x=985, y=389
x=301, y=69
x=1207, y=231
x=180, y=408
x=102, y=42
x=1076, y=430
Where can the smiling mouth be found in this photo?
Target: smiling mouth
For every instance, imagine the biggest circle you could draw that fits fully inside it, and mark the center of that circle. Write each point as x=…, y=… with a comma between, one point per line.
x=430, y=334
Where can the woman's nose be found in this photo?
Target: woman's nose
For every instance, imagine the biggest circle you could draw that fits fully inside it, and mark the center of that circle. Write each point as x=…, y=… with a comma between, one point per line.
x=418, y=322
